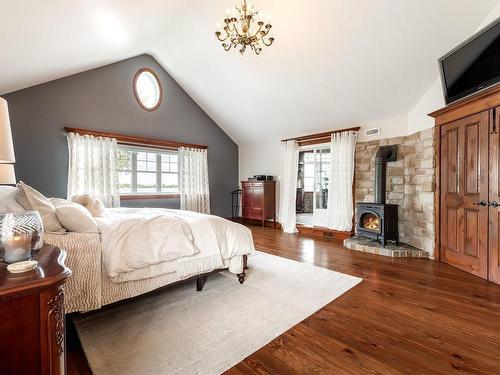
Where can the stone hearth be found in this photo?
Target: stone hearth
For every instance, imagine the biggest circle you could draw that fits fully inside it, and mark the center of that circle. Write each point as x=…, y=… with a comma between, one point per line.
x=391, y=250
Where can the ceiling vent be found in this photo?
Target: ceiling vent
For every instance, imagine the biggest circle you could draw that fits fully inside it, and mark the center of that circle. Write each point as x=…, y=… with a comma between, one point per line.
x=372, y=132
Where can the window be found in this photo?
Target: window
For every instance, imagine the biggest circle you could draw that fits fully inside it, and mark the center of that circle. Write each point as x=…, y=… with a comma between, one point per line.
x=322, y=176
x=146, y=171
x=309, y=171
x=147, y=89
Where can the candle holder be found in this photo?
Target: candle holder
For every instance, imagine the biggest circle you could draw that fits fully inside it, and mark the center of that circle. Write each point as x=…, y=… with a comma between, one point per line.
x=21, y=233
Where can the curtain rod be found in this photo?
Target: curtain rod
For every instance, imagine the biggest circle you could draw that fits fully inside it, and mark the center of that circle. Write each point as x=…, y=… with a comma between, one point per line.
x=323, y=135
x=135, y=141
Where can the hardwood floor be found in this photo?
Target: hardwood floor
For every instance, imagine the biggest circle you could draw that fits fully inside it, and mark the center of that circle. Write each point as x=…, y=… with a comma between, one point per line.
x=410, y=316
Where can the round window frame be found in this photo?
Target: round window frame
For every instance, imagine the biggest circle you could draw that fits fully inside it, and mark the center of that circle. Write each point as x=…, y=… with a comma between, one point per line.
x=134, y=84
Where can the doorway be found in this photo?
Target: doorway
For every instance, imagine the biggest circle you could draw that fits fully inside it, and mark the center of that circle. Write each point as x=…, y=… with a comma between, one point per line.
x=312, y=185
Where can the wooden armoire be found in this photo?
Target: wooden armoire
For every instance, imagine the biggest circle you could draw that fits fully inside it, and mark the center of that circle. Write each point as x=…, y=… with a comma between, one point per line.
x=468, y=186
x=259, y=201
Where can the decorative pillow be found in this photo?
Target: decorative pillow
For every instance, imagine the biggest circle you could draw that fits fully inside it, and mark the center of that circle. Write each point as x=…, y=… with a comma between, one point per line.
x=8, y=201
x=94, y=205
x=22, y=199
x=76, y=218
x=59, y=202
x=44, y=206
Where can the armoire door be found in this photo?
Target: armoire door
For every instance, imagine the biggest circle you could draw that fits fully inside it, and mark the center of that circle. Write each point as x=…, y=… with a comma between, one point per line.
x=257, y=200
x=464, y=193
x=494, y=248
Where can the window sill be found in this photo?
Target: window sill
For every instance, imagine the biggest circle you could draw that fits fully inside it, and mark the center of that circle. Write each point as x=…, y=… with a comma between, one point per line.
x=132, y=197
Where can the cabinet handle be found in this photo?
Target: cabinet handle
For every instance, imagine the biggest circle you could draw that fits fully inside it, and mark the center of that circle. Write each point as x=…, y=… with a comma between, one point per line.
x=493, y=204
x=482, y=203
x=494, y=120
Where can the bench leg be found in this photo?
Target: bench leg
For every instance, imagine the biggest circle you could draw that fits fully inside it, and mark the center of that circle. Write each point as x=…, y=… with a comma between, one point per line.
x=200, y=282
x=241, y=277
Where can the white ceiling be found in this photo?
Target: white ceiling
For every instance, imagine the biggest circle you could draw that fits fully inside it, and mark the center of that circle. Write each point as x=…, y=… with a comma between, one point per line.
x=334, y=63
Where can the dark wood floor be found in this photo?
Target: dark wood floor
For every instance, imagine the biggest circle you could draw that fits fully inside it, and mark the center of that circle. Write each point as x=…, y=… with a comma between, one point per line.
x=407, y=316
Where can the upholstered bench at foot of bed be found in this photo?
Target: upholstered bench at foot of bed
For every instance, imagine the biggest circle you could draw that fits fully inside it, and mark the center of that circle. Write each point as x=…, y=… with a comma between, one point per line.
x=114, y=292
x=83, y=288
x=90, y=288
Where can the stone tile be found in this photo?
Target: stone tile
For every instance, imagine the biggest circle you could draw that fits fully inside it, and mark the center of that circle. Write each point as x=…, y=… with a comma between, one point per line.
x=391, y=250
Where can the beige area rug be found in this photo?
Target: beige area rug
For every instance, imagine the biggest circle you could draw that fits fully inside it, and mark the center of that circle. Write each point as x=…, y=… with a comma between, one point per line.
x=182, y=331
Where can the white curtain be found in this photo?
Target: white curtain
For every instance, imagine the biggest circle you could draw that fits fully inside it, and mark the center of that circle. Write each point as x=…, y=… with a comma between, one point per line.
x=340, y=199
x=193, y=180
x=288, y=186
x=92, y=168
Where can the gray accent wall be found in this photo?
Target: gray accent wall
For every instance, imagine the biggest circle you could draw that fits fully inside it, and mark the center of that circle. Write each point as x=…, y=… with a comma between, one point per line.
x=103, y=99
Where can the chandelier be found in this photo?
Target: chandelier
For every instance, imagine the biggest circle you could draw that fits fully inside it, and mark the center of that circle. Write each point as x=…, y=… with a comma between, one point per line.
x=244, y=28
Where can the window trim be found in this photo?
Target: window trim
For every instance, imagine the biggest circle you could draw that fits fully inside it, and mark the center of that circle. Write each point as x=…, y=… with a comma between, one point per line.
x=158, y=172
x=129, y=140
x=138, y=197
x=136, y=94
x=318, y=138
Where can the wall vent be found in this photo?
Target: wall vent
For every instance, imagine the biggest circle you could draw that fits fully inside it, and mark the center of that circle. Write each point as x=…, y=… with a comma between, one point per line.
x=371, y=132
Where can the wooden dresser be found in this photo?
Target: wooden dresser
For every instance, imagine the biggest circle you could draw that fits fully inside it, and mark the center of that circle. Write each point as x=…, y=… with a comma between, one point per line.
x=32, y=326
x=259, y=201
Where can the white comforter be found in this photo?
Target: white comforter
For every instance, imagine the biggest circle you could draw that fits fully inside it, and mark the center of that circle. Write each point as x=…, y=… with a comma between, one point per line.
x=148, y=242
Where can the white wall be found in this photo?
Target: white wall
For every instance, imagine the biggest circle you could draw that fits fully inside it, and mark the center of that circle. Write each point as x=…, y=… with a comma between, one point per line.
x=433, y=97
x=264, y=157
x=389, y=128
x=494, y=14
x=259, y=158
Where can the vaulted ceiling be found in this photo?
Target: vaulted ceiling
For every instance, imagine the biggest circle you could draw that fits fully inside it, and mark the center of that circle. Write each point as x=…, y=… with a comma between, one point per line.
x=334, y=63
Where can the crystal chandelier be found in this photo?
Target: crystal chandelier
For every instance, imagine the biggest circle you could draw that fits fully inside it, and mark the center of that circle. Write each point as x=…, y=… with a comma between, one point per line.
x=244, y=28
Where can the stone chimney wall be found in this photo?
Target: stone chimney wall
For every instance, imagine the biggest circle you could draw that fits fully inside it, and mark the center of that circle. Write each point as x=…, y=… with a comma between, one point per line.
x=411, y=184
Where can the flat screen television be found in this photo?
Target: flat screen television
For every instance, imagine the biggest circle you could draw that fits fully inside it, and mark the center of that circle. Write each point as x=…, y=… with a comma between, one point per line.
x=472, y=66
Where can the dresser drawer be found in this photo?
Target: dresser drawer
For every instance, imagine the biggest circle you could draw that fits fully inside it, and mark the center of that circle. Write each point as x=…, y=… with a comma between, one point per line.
x=252, y=213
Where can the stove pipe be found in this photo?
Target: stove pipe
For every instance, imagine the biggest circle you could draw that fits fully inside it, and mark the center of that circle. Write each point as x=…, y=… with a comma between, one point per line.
x=384, y=154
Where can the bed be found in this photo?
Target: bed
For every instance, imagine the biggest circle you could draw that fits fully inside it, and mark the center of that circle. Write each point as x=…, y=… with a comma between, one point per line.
x=120, y=253
x=126, y=258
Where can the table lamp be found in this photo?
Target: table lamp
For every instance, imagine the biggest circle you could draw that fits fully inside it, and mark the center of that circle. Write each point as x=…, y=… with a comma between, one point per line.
x=7, y=157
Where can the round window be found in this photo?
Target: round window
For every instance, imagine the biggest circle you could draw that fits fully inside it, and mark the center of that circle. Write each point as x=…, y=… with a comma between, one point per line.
x=147, y=89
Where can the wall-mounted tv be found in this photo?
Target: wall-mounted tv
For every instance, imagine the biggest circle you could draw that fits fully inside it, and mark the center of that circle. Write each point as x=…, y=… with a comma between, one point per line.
x=472, y=66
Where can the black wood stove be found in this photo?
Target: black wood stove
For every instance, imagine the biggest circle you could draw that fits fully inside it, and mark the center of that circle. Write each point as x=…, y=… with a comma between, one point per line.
x=379, y=220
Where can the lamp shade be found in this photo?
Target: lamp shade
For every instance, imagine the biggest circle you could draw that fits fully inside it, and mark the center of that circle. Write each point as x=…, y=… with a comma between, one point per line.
x=7, y=174
x=6, y=146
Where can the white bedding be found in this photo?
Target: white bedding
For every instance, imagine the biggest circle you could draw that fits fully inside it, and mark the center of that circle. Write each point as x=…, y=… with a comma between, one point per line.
x=148, y=242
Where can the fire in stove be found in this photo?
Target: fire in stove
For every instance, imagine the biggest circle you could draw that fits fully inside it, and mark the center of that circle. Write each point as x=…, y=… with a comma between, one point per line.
x=371, y=222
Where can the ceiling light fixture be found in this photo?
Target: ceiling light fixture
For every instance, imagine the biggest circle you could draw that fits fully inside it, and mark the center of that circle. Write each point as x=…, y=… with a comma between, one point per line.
x=243, y=27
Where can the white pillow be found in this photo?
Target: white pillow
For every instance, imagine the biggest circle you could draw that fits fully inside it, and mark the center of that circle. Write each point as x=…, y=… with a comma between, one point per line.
x=8, y=203
x=44, y=206
x=59, y=201
x=76, y=218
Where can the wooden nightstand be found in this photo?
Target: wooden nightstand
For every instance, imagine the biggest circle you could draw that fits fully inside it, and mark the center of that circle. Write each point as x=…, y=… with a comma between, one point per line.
x=32, y=322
